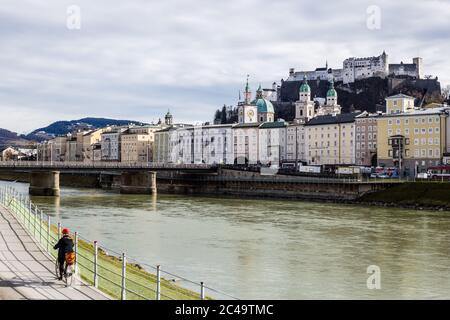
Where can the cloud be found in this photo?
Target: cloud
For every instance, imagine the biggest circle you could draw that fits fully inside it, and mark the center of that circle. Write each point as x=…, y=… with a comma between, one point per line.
x=135, y=59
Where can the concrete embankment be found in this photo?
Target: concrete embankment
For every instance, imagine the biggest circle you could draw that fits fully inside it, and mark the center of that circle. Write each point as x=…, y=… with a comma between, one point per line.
x=415, y=195
x=236, y=183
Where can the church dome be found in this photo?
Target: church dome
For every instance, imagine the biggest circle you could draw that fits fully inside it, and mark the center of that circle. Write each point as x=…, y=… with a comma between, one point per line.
x=305, y=88
x=331, y=91
x=264, y=106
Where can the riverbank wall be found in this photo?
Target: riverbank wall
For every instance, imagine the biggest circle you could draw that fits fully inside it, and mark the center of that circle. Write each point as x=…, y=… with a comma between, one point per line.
x=412, y=195
x=246, y=184
x=238, y=183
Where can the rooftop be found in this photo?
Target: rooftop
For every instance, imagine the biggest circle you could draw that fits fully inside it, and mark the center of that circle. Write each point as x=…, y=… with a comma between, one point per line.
x=330, y=119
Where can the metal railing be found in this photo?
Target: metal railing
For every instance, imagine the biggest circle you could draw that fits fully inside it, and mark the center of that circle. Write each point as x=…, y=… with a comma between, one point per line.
x=112, y=272
x=102, y=165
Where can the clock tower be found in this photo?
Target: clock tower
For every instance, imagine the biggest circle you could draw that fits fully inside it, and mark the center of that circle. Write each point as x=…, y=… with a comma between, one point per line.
x=247, y=112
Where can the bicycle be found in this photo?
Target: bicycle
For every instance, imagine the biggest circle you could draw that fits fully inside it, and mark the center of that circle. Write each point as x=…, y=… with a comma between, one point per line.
x=68, y=272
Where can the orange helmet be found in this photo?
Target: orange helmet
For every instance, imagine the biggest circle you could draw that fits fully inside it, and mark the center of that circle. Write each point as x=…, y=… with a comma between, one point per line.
x=65, y=231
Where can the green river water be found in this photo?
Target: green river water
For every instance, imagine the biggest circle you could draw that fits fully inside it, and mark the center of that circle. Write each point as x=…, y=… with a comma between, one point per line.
x=265, y=249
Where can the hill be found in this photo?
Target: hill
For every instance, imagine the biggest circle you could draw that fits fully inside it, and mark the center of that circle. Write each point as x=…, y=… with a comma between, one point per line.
x=9, y=138
x=365, y=95
x=64, y=127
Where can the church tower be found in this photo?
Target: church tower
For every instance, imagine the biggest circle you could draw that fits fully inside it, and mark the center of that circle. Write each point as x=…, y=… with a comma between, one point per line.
x=331, y=105
x=304, y=107
x=168, y=119
x=247, y=112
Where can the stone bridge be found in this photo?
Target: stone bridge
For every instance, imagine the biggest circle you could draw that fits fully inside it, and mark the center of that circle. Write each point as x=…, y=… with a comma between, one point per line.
x=135, y=178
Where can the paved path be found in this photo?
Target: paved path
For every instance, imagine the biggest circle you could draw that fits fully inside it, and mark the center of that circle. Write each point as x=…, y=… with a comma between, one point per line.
x=26, y=272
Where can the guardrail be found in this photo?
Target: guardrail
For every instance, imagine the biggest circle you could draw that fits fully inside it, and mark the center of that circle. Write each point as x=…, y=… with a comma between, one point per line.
x=102, y=165
x=114, y=273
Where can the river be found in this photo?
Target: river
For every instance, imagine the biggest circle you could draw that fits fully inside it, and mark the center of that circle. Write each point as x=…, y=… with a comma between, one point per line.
x=266, y=249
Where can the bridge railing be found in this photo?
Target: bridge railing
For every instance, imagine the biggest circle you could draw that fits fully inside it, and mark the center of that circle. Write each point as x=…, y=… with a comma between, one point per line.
x=101, y=165
x=113, y=272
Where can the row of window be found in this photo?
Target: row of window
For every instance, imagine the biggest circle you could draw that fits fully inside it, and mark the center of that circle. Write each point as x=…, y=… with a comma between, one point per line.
x=417, y=153
x=416, y=131
x=416, y=120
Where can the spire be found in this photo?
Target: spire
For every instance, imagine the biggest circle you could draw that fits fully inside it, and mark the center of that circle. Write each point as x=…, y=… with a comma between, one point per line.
x=247, y=89
x=259, y=92
x=326, y=64
x=248, y=94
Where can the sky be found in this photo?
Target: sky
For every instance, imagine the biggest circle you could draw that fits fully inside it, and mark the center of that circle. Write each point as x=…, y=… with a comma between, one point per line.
x=135, y=59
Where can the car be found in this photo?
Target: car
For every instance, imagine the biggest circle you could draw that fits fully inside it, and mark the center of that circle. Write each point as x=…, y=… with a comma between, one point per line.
x=422, y=175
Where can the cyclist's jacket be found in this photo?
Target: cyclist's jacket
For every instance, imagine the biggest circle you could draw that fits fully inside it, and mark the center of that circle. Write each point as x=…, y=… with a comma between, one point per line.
x=64, y=245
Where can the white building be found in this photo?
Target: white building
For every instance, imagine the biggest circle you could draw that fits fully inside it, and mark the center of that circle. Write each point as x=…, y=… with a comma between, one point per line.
x=110, y=145
x=295, y=142
x=272, y=138
x=245, y=143
x=361, y=68
x=210, y=144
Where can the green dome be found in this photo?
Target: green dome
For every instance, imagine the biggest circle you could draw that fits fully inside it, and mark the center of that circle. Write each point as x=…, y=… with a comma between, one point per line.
x=305, y=86
x=264, y=105
x=331, y=91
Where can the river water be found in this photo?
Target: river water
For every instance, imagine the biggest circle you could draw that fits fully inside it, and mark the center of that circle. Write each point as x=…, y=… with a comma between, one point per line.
x=264, y=249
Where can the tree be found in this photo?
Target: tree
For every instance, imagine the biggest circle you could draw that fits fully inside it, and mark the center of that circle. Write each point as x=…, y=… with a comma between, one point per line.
x=217, y=117
x=224, y=115
x=446, y=93
x=8, y=156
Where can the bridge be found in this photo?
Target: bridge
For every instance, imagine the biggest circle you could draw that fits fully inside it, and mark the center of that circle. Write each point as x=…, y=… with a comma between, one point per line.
x=137, y=178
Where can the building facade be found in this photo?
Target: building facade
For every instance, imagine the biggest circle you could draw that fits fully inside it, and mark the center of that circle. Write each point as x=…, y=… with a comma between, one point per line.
x=366, y=139
x=272, y=138
x=330, y=139
x=413, y=141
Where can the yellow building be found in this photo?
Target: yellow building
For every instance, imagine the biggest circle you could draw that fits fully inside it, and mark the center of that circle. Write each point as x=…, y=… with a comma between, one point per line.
x=413, y=139
x=137, y=143
x=399, y=103
x=330, y=140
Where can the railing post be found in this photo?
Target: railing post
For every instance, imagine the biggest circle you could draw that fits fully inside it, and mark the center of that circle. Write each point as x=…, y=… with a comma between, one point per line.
x=34, y=221
x=158, y=282
x=123, y=294
x=40, y=227
x=48, y=233
x=95, y=264
x=59, y=231
x=202, y=290
x=76, y=253
x=30, y=210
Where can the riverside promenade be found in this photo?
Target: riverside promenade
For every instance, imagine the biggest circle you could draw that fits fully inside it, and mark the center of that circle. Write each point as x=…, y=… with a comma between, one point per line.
x=27, y=272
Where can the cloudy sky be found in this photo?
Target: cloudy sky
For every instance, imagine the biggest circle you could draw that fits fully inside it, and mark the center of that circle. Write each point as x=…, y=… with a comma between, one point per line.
x=135, y=59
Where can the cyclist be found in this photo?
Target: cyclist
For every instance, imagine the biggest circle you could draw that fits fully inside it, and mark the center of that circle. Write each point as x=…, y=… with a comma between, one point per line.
x=64, y=246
